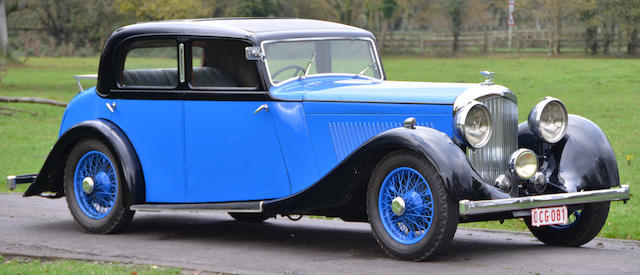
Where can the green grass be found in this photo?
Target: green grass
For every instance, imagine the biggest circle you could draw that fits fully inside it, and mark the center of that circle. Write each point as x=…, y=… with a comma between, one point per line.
x=21, y=265
x=605, y=90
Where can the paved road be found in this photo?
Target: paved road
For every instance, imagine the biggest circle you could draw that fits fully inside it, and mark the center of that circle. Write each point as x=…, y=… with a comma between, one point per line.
x=214, y=242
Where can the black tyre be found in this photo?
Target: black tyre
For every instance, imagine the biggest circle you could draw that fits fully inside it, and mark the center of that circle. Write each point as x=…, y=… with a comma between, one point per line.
x=93, y=185
x=411, y=215
x=249, y=217
x=583, y=226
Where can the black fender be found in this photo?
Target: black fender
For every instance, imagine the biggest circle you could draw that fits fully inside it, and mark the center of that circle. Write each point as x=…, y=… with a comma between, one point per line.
x=50, y=178
x=582, y=160
x=338, y=186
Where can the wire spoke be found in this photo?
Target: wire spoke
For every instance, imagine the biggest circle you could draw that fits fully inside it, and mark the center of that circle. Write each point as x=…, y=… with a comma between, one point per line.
x=414, y=222
x=98, y=202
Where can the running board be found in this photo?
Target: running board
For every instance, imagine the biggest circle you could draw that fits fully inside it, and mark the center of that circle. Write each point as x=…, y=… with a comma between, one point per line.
x=236, y=207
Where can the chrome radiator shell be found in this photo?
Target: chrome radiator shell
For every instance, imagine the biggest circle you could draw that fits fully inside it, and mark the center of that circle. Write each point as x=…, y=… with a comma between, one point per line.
x=491, y=160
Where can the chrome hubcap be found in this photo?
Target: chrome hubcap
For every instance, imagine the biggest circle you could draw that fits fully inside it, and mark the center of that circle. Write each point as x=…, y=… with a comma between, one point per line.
x=398, y=206
x=87, y=185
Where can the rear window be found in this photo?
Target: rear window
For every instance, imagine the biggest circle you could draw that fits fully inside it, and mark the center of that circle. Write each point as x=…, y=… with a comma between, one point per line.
x=151, y=64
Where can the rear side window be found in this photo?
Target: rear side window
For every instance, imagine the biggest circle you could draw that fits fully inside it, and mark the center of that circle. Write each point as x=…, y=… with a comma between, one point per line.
x=222, y=64
x=151, y=64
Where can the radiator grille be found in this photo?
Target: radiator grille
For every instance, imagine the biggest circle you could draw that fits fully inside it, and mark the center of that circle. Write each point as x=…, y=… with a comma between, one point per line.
x=491, y=160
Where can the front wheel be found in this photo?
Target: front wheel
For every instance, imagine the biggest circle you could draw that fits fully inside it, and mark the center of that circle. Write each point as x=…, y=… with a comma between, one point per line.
x=583, y=225
x=93, y=184
x=411, y=215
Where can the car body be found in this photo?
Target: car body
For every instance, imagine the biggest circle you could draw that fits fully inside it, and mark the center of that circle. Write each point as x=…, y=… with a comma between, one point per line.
x=260, y=117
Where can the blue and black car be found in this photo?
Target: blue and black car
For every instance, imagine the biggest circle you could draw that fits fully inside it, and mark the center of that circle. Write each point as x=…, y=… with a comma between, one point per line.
x=266, y=117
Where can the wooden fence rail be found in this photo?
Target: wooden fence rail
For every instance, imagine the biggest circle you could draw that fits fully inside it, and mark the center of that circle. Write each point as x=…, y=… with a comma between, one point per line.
x=537, y=40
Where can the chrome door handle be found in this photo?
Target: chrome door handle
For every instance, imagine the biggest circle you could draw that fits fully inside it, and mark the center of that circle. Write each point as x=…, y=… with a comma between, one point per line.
x=264, y=107
x=111, y=107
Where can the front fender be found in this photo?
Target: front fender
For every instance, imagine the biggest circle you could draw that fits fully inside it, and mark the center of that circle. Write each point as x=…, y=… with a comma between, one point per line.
x=582, y=160
x=341, y=184
x=50, y=178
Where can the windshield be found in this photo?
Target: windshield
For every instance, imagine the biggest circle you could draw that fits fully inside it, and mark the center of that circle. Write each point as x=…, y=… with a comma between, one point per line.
x=294, y=59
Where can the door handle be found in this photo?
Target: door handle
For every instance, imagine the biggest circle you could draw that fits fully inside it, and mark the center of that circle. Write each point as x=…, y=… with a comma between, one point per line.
x=264, y=107
x=111, y=107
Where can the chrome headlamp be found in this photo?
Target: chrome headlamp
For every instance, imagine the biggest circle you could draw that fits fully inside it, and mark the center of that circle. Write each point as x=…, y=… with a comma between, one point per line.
x=548, y=120
x=473, y=124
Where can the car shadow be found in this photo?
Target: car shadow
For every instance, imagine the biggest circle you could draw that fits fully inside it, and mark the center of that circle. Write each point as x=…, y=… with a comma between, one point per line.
x=316, y=237
x=312, y=236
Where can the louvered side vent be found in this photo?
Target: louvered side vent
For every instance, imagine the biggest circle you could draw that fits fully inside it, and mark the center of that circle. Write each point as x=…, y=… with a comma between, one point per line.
x=491, y=160
x=348, y=136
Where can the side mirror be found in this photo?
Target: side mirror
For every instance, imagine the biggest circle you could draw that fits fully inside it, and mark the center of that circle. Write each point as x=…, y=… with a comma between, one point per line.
x=253, y=53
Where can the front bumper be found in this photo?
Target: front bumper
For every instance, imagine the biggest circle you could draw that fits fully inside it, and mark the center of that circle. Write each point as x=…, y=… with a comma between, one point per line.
x=468, y=207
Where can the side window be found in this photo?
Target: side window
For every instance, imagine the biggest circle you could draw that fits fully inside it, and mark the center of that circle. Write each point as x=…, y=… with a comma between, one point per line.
x=151, y=64
x=222, y=64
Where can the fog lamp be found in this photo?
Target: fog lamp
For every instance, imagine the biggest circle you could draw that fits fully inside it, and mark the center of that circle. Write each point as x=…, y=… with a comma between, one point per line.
x=524, y=163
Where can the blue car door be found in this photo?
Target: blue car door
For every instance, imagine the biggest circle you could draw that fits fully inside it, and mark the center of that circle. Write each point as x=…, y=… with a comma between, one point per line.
x=232, y=150
x=148, y=109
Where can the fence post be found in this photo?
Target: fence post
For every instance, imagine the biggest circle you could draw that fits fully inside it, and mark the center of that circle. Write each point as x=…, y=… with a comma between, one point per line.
x=485, y=45
x=517, y=40
x=421, y=36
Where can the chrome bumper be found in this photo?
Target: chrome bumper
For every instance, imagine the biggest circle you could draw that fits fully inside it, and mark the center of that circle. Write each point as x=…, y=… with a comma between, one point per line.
x=468, y=207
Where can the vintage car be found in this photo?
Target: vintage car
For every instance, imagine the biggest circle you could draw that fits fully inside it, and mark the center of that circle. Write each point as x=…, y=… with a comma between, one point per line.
x=266, y=117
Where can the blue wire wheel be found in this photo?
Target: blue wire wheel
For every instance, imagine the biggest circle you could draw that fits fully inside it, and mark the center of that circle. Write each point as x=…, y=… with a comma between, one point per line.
x=95, y=184
x=405, y=205
x=571, y=221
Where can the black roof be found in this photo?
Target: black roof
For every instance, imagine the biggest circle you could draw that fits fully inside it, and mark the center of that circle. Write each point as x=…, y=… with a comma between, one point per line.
x=254, y=29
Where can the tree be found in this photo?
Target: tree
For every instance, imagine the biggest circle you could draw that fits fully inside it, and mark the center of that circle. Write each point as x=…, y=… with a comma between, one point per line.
x=258, y=8
x=588, y=14
x=629, y=13
x=553, y=13
x=147, y=10
x=388, y=9
x=455, y=10
x=4, y=36
x=344, y=10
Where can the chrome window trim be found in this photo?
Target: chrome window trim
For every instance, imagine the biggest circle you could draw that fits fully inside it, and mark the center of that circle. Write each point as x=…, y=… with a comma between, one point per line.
x=181, y=62
x=373, y=47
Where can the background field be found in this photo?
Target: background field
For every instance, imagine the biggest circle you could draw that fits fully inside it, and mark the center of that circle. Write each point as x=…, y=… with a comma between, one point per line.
x=604, y=90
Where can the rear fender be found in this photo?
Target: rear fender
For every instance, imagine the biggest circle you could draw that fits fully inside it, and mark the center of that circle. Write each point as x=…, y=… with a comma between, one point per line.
x=50, y=178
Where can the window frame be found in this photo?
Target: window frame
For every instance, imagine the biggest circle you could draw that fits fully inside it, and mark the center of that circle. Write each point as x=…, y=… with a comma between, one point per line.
x=328, y=38
x=183, y=90
x=131, y=46
x=213, y=89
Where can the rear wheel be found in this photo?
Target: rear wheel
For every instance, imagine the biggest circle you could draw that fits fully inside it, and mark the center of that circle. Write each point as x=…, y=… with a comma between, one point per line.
x=583, y=225
x=411, y=215
x=93, y=187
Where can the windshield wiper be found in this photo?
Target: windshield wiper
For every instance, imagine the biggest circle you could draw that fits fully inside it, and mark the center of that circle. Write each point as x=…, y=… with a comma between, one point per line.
x=367, y=68
x=306, y=71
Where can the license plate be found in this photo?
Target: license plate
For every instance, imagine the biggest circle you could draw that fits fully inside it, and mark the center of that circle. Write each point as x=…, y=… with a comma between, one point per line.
x=549, y=216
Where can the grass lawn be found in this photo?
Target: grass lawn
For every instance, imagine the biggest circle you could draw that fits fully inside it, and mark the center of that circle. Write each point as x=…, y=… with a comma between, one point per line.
x=606, y=91
x=21, y=265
